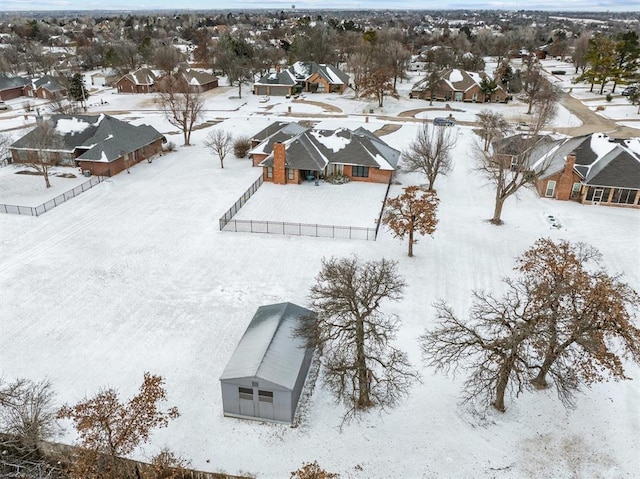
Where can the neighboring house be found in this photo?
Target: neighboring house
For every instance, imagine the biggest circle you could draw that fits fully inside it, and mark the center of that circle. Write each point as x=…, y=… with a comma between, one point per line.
x=458, y=85
x=265, y=375
x=11, y=87
x=104, y=78
x=45, y=87
x=303, y=76
x=592, y=169
x=100, y=144
x=417, y=63
x=294, y=153
x=198, y=81
x=143, y=80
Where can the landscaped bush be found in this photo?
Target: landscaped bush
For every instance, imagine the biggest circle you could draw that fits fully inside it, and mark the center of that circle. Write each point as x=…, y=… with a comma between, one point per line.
x=169, y=146
x=609, y=97
x=337, y=179
x=241, y=147
x=558, y=72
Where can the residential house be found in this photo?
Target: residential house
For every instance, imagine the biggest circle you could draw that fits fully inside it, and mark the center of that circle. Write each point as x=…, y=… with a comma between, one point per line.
x=143, y=80
x=105, y=77
x=458, y=85
x=99, y=144
x=265, y=375
x=11, y=87
x=198, y=81
x=592, y=169
x=303, y=76
x=294, y=153
x=46, y=87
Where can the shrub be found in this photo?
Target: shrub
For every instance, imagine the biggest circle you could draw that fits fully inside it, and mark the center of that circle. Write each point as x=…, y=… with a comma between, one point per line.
x=241, y=147
x=169, y=146
x=337, y=179
x=608, y=97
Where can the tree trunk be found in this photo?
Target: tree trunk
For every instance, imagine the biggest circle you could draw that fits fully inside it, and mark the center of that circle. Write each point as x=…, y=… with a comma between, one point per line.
x=601, y=88
x=530, y=106
x=363, y=380
x=540, y=381
x=45, y=173
x=185, y=134
x=221, y=162
x=503, y=382
x=411, y=243
x=497, y=211
x=239, y=88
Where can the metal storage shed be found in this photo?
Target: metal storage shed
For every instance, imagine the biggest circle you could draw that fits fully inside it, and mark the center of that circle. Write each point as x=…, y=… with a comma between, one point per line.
x=265, y=375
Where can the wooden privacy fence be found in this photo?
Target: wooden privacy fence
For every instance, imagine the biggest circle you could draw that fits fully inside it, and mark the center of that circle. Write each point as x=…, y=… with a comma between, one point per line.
x=57, y=201
x=301, y=229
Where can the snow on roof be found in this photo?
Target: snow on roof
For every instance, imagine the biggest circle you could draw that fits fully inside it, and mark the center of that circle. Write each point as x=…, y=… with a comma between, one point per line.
x=455, y=76
x=333, y=76
x=601, y=145
x=333, y=142
x=301, y=70
x=71, y=126
x=269, y=349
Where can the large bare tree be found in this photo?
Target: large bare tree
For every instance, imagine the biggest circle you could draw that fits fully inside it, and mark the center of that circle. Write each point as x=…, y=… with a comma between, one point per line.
x=493, y=125
x=430, y=152
x=45, y=141
x=220, y=142
x=361, y=366
x=181, y=104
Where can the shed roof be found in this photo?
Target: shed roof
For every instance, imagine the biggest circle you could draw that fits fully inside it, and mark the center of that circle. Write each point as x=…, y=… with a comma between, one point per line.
x=269, y=349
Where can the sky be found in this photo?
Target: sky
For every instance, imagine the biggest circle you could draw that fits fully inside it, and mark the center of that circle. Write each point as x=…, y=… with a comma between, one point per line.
x=554, y=5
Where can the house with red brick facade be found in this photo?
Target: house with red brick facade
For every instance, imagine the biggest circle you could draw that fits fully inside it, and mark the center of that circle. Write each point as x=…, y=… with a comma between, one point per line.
x=143, y=80
x=458, y=85
x=293, y=153
x=45, y=87
x=100, y=144
x=592, y=169
x=303, y=77
x=11, y=87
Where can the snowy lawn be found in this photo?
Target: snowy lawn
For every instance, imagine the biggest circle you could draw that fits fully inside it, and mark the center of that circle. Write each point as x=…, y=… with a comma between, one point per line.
x=351, y=204
x=31, y=190
x=134, y=276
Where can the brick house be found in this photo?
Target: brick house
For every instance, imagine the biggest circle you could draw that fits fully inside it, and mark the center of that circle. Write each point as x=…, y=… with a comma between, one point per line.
x=458, y=85
x=100, y=144
x=294, y=153
x=45, y=87
x=198, y=81
x=303, y=76
x=593, y=170
x=11, y=87
x=143, y=80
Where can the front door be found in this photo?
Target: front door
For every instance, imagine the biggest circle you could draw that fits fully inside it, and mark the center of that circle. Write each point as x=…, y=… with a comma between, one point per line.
x=265, y=403
x=597, y=195
x=458, y=96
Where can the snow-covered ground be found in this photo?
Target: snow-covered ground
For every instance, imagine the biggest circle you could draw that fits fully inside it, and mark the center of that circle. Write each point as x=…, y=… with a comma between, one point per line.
x=134, y=276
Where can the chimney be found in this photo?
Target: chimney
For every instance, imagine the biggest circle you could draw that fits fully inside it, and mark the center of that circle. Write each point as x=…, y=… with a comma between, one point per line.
x=279, y=162
x=277, y=68
x=566, y=179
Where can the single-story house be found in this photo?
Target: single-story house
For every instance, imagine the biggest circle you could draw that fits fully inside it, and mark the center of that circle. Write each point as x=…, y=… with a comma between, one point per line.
x=198, y=81
x=100, y=144
x=265, y=375
x=592, y=169
x=295, y=153
x=11, y=87
x=143, y=80
x=458, y=85
x=104, y=78
x=303, y=76
x=46, y=87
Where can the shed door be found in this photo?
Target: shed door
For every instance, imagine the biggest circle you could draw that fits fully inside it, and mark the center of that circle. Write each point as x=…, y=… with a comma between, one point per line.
x=245, y=397
x=265, y=403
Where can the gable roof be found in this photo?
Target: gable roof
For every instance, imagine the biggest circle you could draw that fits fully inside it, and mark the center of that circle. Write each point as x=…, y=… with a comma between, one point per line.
x=303, y=70
x=314, y=149
x=141, y=76
x=455, y=80
x=268, y=348
x=47, y=82
x=8, y=83
x=197, y=78
x=284, y=78
x=104, y=137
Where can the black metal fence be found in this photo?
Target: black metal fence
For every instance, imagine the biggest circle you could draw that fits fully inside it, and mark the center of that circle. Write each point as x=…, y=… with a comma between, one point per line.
x=57, y=201
x=240, y=203
x=301, y=229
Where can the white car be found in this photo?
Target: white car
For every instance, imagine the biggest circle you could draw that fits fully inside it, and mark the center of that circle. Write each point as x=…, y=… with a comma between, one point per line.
x=264, y=99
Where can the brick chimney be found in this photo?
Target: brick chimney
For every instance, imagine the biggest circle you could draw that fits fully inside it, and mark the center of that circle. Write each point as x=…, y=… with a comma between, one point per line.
x=566, y=179
x=279, y=161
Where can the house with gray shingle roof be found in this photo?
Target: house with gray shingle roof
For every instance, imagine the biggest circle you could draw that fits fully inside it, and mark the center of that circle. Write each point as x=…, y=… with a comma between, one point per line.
x=100, y=144
x=592, y=169
x=265, y=375
x=458, y=85
x=11, y=87
x=198, y=81
x=293, y=153
x=46, y=87
x=303, y=76
x=143, y=80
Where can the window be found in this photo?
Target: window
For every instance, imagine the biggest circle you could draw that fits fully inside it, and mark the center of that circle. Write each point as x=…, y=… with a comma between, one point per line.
x=245, y=393
x=575, y=188
x=624, y=196
x=551, y=188
x=360, y=171
x=290, y=172
x=265, y=396
x=269, y=172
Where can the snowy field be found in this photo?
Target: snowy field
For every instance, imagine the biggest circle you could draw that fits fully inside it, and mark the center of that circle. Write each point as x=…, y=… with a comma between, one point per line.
x=134, y=276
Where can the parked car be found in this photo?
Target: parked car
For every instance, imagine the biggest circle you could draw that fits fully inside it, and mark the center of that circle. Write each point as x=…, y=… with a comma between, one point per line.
x=264, y=99
x=629, y=90
x=3, y=105
x=440, y=121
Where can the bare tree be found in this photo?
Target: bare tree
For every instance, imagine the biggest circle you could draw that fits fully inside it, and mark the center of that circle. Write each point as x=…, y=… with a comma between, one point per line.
x=27, y=410
x=220, y=142
x=181, y=104
x=166, y=58
x=361, y=367
x=413, y=211
x=112, y=429
x=493, y=125
x=580, y=48
x=430, y=152
x=490, y=345
x=45, y=140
